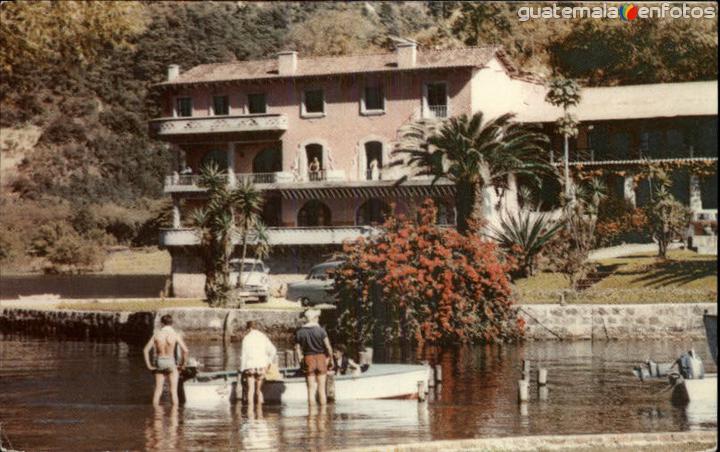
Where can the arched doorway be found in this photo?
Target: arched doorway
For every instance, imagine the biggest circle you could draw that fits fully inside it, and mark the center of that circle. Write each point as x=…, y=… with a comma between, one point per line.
x=372, y=211
x=218, y=157
x=267, y=161
x=314, y=213
x=315, y=163
x=373, y=159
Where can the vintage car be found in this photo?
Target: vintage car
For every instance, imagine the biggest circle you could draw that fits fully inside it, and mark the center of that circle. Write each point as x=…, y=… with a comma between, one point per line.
x=255, y=278
x=317, y=287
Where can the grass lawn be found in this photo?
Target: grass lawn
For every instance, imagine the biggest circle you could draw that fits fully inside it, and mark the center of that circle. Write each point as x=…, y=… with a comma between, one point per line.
x=683, y=277
x=137, y=261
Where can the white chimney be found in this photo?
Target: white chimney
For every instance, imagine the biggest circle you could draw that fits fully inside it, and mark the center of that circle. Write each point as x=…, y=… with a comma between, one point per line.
x=287, y=62
x=173, y=72
x=406, y=54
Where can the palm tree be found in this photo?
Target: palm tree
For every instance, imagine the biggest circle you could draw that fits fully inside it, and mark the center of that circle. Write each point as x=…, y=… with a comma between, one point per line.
x=525, y=236
x=217, y=221
x=473, y=154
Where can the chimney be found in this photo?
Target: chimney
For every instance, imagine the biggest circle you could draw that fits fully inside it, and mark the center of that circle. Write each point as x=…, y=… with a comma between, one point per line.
x=287, y=62
x=406, y=54
x=173, y=72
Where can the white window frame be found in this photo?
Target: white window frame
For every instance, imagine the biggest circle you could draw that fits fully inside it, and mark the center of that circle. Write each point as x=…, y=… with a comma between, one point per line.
x=426, y=107
x=212, y=104
x=176, y=113
x=247, y=103
x=363, y=109
x=304, y=113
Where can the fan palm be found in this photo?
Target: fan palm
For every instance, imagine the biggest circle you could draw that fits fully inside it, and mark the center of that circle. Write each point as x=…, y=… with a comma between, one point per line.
x=473, y=154
x=218, y=221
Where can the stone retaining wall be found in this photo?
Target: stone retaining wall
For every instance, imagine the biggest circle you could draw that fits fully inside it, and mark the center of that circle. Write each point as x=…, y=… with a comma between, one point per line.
x=608, y=322
x=543, y=322
x=196, y=324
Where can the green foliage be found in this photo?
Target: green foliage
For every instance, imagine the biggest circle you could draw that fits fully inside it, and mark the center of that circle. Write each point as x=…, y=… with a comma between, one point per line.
x=667, y=217
x=473, y=154
x=420, y=283
x=525, y=235
x=218, y=220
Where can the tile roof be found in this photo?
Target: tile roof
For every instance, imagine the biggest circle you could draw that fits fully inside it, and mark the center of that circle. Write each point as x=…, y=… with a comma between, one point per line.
x=323, y=66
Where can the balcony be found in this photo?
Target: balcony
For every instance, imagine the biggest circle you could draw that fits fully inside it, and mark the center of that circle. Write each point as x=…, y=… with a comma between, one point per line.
x=321, y=235
x=174, y=127
x=437, y=111
x=178, y=183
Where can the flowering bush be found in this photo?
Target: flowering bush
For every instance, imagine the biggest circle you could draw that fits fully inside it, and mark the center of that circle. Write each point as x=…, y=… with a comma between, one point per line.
x=423, y=283
x=619, y=222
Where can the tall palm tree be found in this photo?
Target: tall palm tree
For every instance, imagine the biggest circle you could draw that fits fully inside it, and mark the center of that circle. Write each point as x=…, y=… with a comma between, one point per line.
x=217, y=221
x=473, y=154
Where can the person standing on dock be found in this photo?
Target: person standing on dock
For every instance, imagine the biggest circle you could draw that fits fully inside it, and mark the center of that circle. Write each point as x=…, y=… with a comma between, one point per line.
x=257, y=353
x=164, y=342
x=313, y=349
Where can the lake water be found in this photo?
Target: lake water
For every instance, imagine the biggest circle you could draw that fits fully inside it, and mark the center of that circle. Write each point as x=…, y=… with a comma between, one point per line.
x=83, y=286
x=95, y=396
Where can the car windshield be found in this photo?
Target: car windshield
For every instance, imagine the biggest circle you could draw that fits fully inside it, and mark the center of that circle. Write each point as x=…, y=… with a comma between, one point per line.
x=321, y=273
x=249, y=267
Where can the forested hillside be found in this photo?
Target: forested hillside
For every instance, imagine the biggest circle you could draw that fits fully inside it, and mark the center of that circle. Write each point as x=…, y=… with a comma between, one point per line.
x=79, y=172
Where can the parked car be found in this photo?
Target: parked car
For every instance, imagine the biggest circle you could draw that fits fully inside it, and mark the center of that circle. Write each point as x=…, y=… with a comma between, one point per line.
x=317, y=287
x=255, y=278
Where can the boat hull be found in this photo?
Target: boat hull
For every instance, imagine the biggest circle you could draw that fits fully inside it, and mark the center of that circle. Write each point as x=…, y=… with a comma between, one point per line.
x=381, y=381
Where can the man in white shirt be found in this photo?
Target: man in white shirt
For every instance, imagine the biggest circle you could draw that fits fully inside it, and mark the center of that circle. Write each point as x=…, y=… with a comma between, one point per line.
x=257, y=355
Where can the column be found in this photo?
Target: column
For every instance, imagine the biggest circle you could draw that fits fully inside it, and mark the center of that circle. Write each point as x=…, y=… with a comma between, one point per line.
x=176, y=213
x=629, y=190
x=231, y=163
x=511, y=197
x=695, y=195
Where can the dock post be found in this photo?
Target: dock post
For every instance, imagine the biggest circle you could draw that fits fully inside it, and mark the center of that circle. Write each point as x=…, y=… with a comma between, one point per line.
x=421, y=391
x=543, y=392
x=330, y=387
x=542, y=376
x=438, y=373
x=523, y=390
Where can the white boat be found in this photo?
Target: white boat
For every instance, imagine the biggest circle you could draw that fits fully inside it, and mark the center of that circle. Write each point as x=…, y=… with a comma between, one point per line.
x=380, y=381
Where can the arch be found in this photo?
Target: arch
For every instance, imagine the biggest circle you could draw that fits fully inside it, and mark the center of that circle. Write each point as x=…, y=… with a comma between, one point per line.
x=372, y=211
x=268, y=160
x=218, y=156
x=362, y=160
x=301, y=159
x=314, y=213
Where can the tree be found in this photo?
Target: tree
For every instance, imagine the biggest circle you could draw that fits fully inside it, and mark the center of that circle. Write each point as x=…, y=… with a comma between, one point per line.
x=248, y=202
x=525, y=236
x=473, y=154
x=421, y=283
x=565, y=93
x=667, y=217
x=225, y=208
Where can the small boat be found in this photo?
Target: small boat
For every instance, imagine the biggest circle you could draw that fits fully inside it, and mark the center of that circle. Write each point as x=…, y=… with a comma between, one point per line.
x=380, y=381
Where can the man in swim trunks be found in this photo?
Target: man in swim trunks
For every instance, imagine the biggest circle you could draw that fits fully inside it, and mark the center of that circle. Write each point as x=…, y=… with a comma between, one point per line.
x=164, y=342
x=313, y=348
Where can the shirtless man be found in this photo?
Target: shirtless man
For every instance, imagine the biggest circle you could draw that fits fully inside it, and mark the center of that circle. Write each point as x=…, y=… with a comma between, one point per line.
x=164, y=342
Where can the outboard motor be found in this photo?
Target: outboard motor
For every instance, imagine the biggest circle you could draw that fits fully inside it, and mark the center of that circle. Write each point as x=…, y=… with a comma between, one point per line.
x=691, y=366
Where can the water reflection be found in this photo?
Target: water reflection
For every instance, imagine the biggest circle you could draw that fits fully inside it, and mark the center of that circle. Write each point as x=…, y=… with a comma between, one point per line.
x=48, y=385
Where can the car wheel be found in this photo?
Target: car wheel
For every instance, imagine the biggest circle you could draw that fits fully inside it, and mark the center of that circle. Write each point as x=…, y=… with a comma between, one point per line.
x=262, y=299
x=304, y=302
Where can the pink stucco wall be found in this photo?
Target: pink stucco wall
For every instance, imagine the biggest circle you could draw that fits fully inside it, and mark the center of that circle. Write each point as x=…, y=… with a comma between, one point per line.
x=342, y=131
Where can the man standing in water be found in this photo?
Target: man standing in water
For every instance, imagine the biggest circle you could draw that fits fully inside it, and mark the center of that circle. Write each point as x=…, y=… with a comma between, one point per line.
x=256, y=356
x=313, y=348
x=164, y=341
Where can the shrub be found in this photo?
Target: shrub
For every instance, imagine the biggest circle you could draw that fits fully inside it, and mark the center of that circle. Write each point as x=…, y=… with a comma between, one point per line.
x=668, y=219
x=620, y=222
x=72, y=253
x=422, y=283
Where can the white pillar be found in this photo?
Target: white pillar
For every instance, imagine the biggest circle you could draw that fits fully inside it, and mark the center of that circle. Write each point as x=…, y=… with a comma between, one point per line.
x=695, y=195
x=629, y=190
x=176, y=213
x=510, y=196
x=231, y=163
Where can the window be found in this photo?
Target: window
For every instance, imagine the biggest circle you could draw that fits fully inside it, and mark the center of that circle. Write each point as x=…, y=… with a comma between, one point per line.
x=221, y=105
x=373, y=160
x=257, y=104
x=373, y=99
x=183, y=106
x=313, y=102
x=436, y=100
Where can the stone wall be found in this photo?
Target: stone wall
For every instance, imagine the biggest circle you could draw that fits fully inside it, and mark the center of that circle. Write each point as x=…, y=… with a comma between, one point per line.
x=196, y=324
x=608, y=322
x=131, y=327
